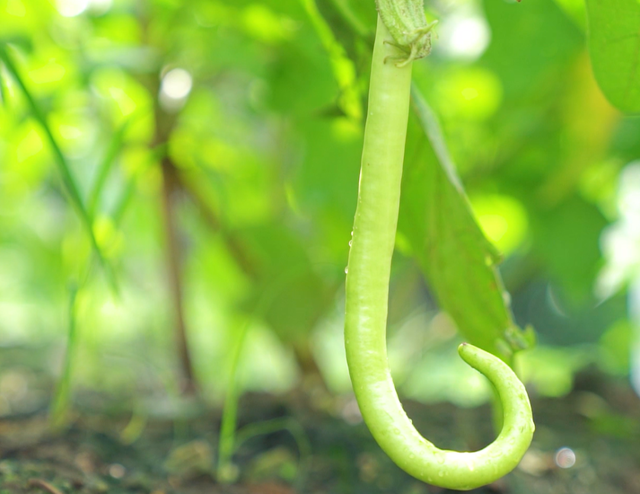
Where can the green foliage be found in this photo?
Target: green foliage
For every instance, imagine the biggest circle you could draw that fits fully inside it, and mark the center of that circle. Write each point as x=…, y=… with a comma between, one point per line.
x=531, y=46
x=297, y=295
x=268, y=143
x=614, y=43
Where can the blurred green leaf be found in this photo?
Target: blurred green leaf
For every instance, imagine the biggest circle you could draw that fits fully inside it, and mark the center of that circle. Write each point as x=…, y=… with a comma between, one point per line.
x=297, y=295
x=614, y=346
x=353, y=25
x=614, y=43
x=575, y=9
x=531, y=44
x=567, y=239
x=360, y=16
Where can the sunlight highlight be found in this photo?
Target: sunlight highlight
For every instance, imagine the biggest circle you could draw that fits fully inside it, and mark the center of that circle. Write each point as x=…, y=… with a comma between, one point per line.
x=176, y=86
x=71, y=8
x=464, y=35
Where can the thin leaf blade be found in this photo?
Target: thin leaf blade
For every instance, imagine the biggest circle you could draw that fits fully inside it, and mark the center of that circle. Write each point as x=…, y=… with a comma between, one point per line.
x=70, y=186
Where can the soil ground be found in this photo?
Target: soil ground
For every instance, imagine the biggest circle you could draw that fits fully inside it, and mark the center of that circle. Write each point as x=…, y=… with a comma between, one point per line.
x=598, y=425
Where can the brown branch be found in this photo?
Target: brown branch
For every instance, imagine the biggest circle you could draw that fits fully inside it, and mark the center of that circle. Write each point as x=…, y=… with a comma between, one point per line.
x=233, y=243
x=164, y=124
x=174, y=271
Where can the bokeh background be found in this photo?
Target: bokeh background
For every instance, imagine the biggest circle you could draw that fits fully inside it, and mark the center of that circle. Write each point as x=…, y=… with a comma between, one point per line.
x=215, y=145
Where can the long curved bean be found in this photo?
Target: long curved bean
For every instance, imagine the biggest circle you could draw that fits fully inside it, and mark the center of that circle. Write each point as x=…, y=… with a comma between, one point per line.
x=367, y=290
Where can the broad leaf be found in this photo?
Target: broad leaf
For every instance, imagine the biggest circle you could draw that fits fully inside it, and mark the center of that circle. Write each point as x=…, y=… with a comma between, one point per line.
x=458, y=261
x=614, y=43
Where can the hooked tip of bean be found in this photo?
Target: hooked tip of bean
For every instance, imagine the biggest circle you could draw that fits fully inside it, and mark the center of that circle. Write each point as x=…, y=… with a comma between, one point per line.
x=466, y=351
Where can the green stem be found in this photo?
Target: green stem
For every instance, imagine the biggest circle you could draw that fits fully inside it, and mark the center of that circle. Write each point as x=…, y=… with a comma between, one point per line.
x=59, y=409
x=227, y=441
x=367, y=291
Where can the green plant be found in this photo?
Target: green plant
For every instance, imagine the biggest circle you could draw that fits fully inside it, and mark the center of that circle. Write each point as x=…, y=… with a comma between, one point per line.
x=61, y=400
x=614, y=41
x=276, y=425
x=367, y=289
x=230, y=439
x=69, y=182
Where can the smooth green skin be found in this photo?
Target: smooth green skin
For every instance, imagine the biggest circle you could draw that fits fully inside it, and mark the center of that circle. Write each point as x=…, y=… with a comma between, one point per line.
x=367, y=290
x=614, y=45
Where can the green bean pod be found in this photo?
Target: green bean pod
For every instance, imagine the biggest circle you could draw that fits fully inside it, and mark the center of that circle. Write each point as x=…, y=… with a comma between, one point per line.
x=367, y=291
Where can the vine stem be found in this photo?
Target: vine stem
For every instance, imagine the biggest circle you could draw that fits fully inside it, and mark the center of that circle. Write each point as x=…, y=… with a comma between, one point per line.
x=367, y=292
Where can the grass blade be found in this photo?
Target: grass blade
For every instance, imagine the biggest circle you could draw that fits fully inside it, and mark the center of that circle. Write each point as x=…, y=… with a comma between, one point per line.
x=105, y=167
x=3, y=90
x=69, y=183
x=227, y=442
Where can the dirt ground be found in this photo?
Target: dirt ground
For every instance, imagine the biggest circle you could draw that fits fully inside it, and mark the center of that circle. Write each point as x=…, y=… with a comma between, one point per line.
x=585, y=443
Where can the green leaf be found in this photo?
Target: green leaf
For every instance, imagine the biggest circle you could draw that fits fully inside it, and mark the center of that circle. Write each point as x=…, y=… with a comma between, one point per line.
x=359, y=16
x=532, y=46
x=567, y=238
x=575, y=10
x=458, y=261
x=297, y=295
x=614, y=44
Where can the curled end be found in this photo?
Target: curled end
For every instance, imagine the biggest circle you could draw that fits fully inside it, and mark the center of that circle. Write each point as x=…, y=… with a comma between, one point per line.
x=518, y=426
x=451, y=469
